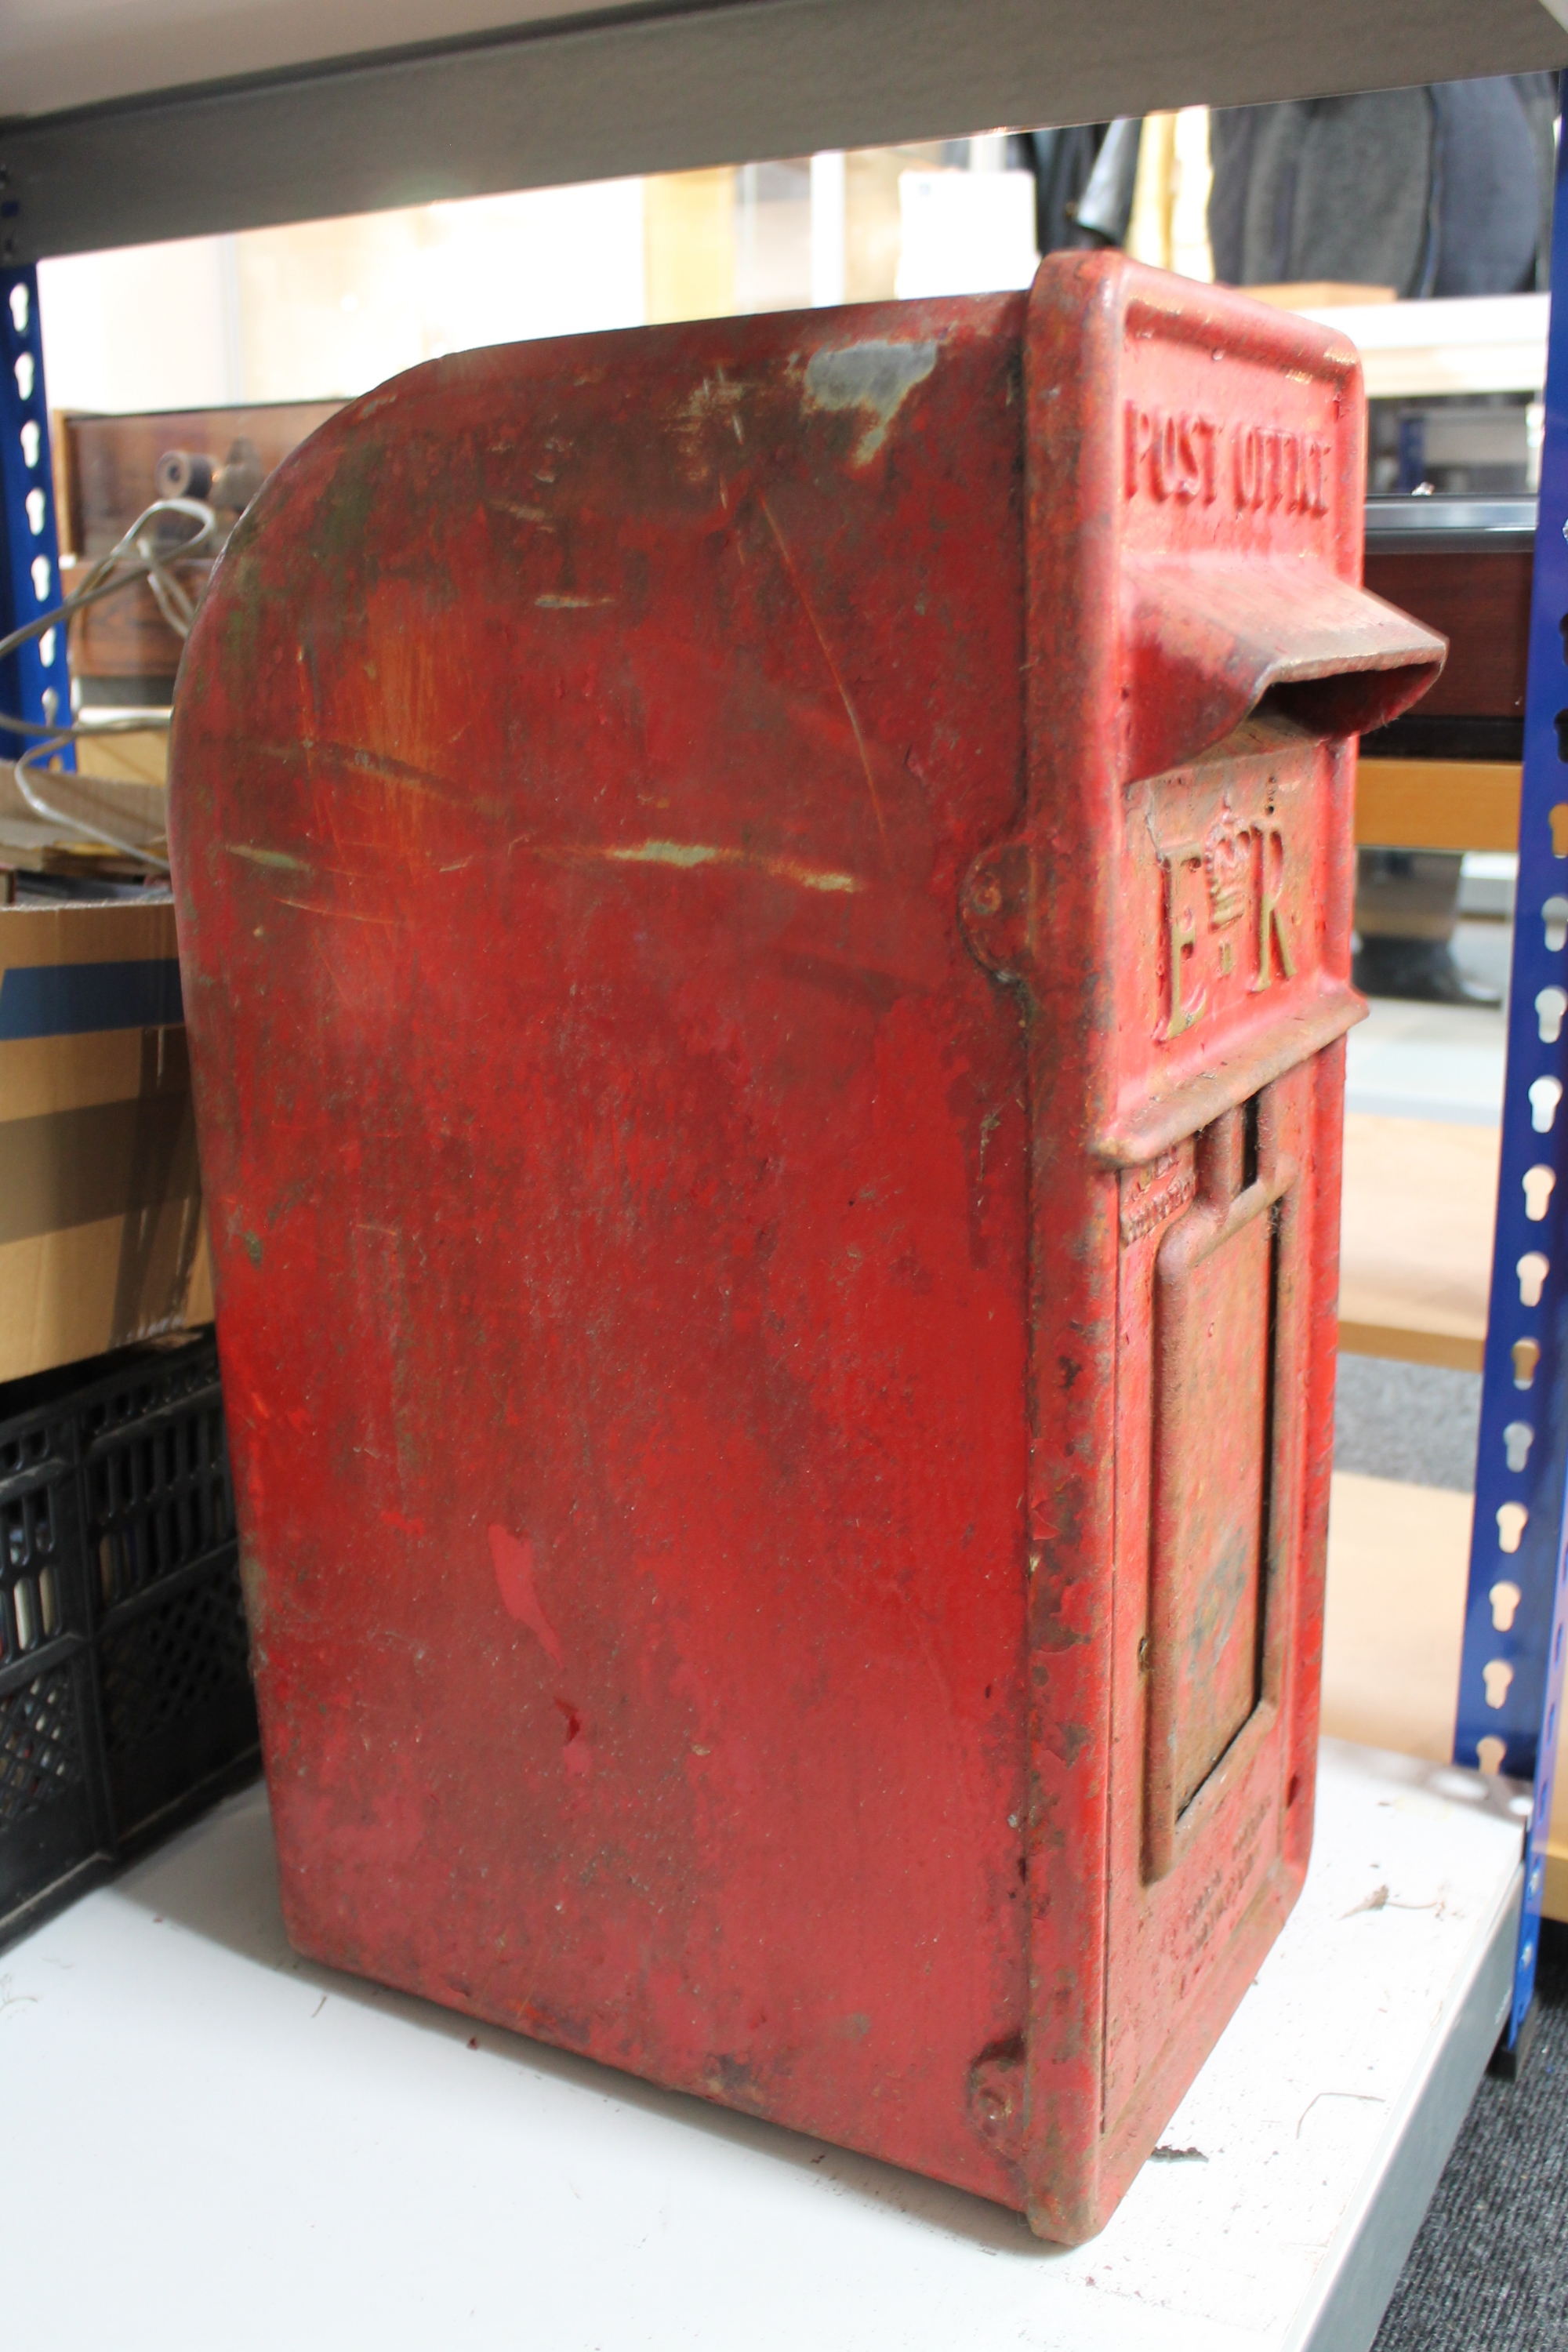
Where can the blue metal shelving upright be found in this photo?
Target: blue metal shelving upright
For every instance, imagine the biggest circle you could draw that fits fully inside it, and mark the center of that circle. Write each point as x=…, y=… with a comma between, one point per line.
x=1510, y=1679
x=34, y=681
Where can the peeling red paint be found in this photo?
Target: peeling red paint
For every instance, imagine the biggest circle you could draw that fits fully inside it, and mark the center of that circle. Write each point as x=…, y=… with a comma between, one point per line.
x=514, y=1577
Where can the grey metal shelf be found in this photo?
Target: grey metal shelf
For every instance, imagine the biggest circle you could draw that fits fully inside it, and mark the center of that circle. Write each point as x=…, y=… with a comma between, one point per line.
x=662, y=87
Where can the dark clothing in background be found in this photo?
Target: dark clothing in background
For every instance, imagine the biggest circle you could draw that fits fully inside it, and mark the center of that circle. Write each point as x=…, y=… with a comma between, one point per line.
x=1083, y=182
x=1104, y=211
x=1494, y=188
x=1438, y=191
x=1323, y=188
x=1084, y=179
x=1062, y=162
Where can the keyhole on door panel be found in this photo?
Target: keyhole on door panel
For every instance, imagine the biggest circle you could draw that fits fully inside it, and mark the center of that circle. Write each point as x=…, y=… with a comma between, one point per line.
x=1550, y=1006
x=1545, y=1094
x=1497, y=1675
x=1555, y=915
x=1532, y=1270
x=1489, y=1754
x=1510, y=1521
x=1526, y=1356
x=1505, y=1599
x=1538, y=1183
x=1518, y=1438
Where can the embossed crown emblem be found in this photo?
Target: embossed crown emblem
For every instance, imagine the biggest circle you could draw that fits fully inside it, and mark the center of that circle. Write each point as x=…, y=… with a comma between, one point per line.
x=1227, y=866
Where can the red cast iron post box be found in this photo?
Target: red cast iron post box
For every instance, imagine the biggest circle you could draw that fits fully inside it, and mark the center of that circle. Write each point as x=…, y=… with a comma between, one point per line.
x=765, y=910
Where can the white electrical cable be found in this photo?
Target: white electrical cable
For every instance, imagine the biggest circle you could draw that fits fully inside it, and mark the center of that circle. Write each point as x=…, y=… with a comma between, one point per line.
x=133, y=557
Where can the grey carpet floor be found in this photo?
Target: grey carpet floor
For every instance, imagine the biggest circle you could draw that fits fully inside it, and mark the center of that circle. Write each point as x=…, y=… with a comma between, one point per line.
x=1407, y=1420
x=1488, y=2272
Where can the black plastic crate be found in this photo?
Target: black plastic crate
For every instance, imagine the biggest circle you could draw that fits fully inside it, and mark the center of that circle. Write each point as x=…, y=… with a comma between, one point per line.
x=125, y=1694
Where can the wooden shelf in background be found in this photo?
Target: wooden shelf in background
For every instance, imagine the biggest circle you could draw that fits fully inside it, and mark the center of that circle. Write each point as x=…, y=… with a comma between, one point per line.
x=1399, y=1345
x=1395, y=1618
x=1462, y=343
x=1481, y=605
x=1394, y=1627
x=1416, y=1239
x=1437, y=805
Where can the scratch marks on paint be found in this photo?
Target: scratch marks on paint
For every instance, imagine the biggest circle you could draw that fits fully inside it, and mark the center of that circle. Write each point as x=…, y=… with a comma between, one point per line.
x=253, y=855
x=360, y=759
x=875, y=377
x=798, y=584
x=718, y=855
x=339, y=914
x=713, y=404
x=570, y=604
x=513, y=1562
x=688, y=854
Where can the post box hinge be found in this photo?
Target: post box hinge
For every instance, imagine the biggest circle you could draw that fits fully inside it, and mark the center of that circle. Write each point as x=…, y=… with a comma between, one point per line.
x=996, y=909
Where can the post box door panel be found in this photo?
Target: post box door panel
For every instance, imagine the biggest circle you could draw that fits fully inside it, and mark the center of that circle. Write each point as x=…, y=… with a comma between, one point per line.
x=1213, y=1280
x=1211, y=1380
x=1226, y=990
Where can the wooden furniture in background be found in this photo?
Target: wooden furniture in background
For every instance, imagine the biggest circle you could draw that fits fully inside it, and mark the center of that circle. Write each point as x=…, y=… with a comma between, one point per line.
x=1416, y=1239
x=1481, y=605
x=1468, y=343
x=106, y=464
x=1437, y=805
x=125, y=638
x=104, y=478
x=1319, y=294
x=1398, y=1567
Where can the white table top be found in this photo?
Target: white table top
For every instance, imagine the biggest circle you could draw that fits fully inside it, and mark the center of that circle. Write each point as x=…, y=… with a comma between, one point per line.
x=1467, y=343
x=215, y=2143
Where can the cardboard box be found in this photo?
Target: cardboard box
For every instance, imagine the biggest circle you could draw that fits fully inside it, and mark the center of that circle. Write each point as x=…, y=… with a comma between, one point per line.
x=101, y=1241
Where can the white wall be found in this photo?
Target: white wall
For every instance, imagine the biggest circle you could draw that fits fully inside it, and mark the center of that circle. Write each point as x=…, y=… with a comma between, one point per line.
x=329, y=309
x=149, y=326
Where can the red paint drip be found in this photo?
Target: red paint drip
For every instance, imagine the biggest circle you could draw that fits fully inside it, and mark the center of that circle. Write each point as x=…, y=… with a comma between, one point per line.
x=405, y=1526
x=579, y=1755
x=514, y=1577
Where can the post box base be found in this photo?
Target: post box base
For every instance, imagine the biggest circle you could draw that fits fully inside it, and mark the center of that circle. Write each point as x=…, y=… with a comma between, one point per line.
x=415, y=2180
